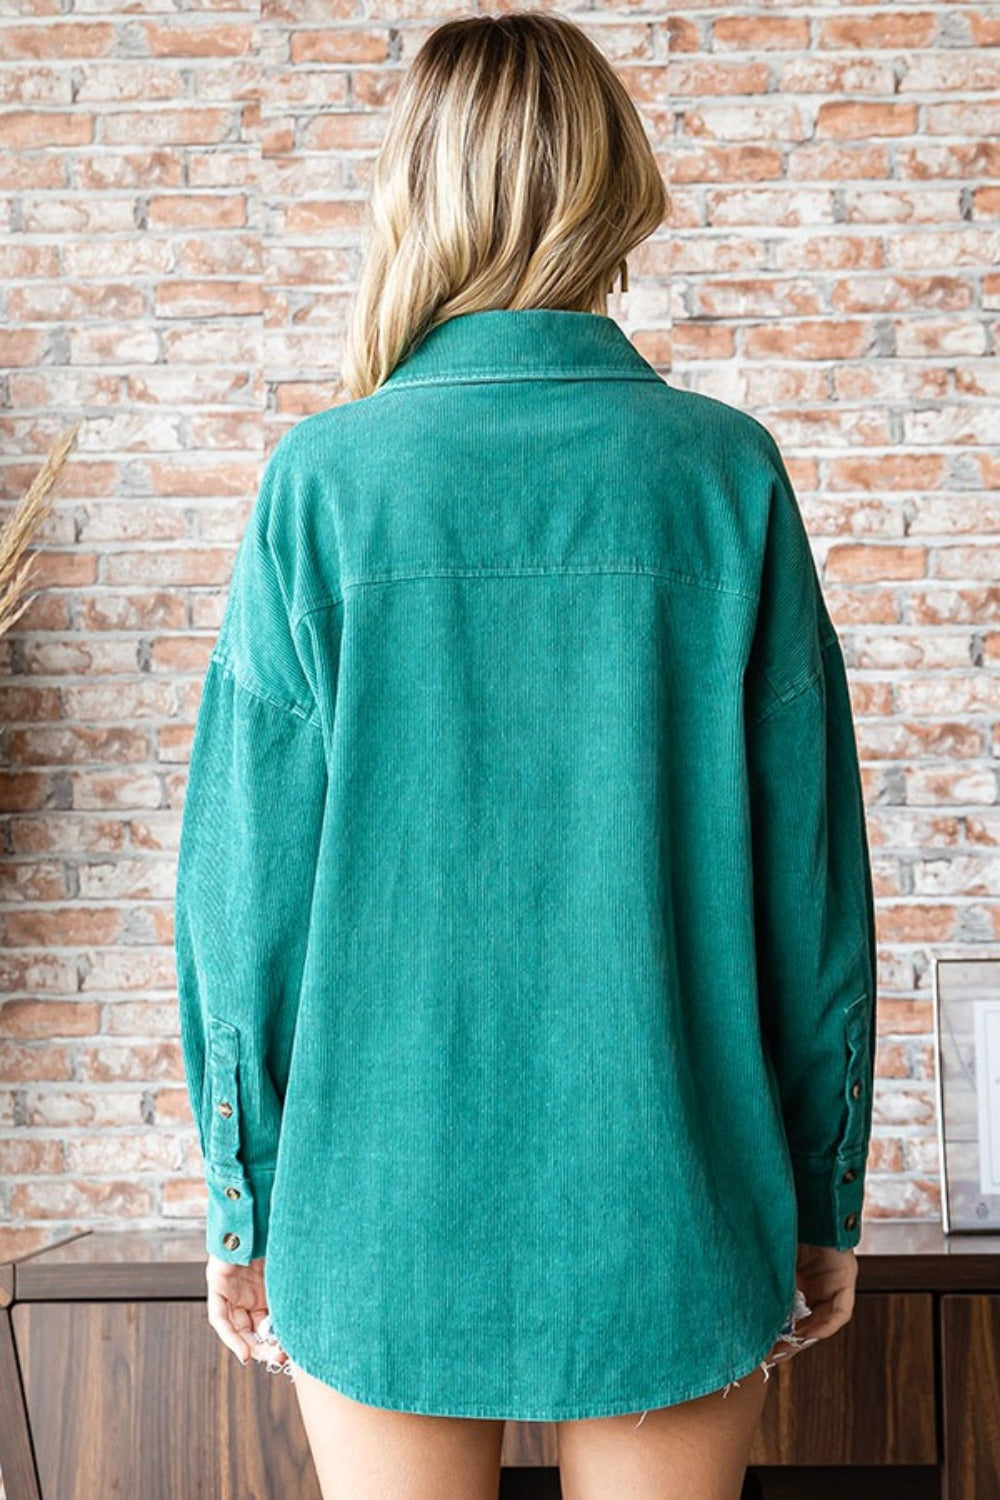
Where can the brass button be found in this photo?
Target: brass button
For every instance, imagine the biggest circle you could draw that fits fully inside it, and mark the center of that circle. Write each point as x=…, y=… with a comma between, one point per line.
x=232, y=1192
x=849, y=1175
x=856, y=1090
x=225, y=1108
x=231, y=1241
x=850, y=1221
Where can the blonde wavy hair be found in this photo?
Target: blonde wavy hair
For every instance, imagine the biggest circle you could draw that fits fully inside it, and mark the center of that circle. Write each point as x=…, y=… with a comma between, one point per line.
x=514, y=172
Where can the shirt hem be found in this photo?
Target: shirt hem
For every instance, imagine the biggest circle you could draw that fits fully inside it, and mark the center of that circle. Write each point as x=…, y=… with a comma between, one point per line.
x=670, y=1395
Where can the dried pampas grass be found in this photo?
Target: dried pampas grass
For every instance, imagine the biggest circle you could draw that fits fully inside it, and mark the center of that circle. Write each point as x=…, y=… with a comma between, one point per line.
x=21, y=527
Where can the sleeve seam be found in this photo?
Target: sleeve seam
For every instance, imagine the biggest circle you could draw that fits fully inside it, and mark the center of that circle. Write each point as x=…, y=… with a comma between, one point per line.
x=229, y=1172
x=789, y=694
x=833, y=1158
x=296, y=710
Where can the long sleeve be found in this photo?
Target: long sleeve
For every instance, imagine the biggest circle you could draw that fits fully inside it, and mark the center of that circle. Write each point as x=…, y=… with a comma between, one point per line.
x=814, y=909
x=250, y=831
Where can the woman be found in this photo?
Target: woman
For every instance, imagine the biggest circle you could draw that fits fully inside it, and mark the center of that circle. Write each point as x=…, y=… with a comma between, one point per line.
x=524, y=922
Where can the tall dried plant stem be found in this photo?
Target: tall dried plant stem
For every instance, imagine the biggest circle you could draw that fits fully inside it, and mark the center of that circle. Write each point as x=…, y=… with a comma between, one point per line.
x=22, y=526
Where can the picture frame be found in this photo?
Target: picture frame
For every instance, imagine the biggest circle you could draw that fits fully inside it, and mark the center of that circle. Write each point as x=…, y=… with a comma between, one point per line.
x=966, y=1003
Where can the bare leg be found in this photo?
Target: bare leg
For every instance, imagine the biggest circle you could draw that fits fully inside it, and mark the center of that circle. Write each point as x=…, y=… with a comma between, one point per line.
x=696, y=1450
x=368, y=1453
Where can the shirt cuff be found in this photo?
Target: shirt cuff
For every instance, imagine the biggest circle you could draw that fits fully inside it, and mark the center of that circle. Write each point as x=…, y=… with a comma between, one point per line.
x=239, y=1208
x=829, y=1190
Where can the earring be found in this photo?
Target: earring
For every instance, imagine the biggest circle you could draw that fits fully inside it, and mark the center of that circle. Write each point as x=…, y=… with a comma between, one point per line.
x=624, y=274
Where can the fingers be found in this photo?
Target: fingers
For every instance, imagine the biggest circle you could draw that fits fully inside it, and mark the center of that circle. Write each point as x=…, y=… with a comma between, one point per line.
x=828, y=1315
x=244, y=1319
x=267, y=1348
x=220, y=1317
x=826, y=1312
x=246, y=1331
x=237, y=1304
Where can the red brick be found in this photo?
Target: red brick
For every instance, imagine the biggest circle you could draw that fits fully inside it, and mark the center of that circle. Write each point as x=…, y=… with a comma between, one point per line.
x=700, y=78
x=884, y=293
x=892, y=471
x=926, y=160
x=822, y=338
x=50, y=1018
x=683, y=34
x=62, y=1197
x=74, y=1107
x=109, y=1153
x=756, y=33
x=338, y=45
x=853, y=119
x=711, y=163
x=868, y=32
x=702, y=341
x=984, y=27
x=840, y=162
x=964, y=117
x=58, y=39
x=737, y=295
x=21, y=1062
x=862, y=561
x=834, y=75
x=30, y=1157
x=224, y=39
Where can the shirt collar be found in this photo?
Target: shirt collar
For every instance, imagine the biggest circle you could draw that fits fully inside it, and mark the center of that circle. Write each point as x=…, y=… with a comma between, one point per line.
x=524, y=343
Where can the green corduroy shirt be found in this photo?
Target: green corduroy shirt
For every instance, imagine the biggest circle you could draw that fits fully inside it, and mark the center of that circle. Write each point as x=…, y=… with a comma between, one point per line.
x=524, y=924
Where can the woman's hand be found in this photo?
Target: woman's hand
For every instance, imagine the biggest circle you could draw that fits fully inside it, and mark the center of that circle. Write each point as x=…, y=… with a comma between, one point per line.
x=826, y=1279
x=237, y=1306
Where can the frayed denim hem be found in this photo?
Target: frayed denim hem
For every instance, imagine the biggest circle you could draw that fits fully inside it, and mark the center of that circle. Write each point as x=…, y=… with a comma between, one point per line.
x=799, y=1309
x=265, y=1333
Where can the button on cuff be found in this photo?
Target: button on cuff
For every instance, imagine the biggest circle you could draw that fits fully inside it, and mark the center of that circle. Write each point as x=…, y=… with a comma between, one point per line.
x=830, y=1192
x=239, y=1207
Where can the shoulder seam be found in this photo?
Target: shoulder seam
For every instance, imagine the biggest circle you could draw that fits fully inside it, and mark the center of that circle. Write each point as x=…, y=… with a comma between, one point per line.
x=295, y=710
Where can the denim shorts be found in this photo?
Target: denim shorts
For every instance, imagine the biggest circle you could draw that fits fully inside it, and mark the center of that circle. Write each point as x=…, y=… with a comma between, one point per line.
x=799, y=1309
x=265, y=1334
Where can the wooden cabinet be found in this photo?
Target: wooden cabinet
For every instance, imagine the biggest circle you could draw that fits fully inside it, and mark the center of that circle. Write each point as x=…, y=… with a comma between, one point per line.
x=112, y=1382
x=869, y=1397
x=970, y=1394
x=140, y=1399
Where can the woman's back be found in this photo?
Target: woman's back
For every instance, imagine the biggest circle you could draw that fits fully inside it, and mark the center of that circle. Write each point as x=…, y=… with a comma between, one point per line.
x=540, y=976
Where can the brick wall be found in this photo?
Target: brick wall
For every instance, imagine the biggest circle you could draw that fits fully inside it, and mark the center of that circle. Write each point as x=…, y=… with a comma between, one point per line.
x=180, y=217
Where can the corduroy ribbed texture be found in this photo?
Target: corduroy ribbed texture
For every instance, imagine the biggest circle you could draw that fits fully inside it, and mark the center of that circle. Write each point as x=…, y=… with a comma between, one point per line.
x=524, y=920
